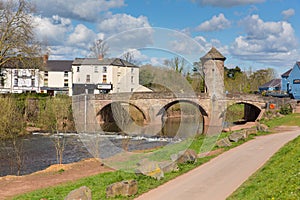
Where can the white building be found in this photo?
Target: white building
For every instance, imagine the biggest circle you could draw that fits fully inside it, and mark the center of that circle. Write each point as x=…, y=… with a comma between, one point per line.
x=105, y=75
x=71, y=77
x=15, y=78
x=56, y=77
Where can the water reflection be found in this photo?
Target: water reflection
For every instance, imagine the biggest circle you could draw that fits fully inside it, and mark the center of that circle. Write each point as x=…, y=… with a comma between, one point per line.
x=182, y=127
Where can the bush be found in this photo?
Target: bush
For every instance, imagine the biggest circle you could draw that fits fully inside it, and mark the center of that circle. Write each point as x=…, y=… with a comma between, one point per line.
x=286, y=109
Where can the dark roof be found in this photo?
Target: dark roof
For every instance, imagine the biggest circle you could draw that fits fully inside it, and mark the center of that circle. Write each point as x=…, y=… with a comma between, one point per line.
x=287, y=73
x=272, y=83
x=213, y=54
x=59, y=65
x=105, y=61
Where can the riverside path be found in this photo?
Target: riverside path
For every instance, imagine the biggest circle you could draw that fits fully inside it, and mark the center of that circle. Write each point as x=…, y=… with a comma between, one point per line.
x=221, y=176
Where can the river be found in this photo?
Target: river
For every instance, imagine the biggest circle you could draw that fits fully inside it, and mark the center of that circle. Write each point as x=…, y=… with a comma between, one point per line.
x=38, y=150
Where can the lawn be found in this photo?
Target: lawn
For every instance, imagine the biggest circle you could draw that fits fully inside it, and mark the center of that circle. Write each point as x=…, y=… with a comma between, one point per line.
x=279, y=178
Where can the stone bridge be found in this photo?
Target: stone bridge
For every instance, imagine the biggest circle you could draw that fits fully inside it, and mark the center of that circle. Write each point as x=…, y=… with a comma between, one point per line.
x=153, y=106
x=212, y=104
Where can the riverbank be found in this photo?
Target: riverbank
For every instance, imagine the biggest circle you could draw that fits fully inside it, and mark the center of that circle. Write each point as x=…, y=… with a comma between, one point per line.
x=54, y=175
x=9, y=185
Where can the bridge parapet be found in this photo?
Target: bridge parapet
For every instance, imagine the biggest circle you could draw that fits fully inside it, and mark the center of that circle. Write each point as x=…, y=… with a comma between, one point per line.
x=150, y=95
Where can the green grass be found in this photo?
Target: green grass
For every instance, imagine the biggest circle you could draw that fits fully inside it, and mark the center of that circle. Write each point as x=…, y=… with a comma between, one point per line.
x=288, y=120
x=99, y=183
x=278, y=179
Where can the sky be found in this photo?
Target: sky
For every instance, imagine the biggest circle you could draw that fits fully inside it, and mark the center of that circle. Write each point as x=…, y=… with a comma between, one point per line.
x=251, y=34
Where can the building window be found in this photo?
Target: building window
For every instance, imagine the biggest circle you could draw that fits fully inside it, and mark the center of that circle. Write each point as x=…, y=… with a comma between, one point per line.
x=119, y=78
x=45, y=82
x=88, y=78
x=33, y=82
x=132, y=79
x=66, y=83
x=16, y=82
x=131, y=89
x=132, y=70
x=46, y=73
x=96, y=70
x=66, y=74
x=78, y=69
x=33, y=73
x=104, y=70
x=104, y=79
x=16, y=72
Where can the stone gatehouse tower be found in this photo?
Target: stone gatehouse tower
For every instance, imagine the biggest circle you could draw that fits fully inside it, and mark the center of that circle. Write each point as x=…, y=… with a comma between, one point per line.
x=213, y=67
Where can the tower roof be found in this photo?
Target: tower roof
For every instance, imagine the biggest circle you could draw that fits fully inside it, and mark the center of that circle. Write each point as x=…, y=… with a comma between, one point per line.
x=213, y=54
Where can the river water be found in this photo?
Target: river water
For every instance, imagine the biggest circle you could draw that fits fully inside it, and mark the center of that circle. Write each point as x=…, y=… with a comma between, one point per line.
x=38, y=150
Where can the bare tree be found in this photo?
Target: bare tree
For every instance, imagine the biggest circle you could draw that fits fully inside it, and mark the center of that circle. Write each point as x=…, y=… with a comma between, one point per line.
x=99, y=49
x=177, y=63
x=16, y=31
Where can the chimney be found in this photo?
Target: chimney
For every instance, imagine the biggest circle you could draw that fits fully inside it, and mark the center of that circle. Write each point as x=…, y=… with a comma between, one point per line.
x=45, y=58
x=100, y=57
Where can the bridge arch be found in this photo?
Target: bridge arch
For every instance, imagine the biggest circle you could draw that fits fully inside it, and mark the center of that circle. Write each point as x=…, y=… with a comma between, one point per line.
x=168, y=105
x=106, y=117
x=202, y=113
x=252, y=111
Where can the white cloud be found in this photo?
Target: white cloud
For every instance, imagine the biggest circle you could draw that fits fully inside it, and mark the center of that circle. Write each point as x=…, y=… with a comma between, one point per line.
x=122, y=22
x=216, y=23
x=82, y=36
x=89, y=10
x=137, y=55
x=124, y=31
x=155, y=61
x=62, y=52
x=227, y=3
x=266, y=42
x=288, y=13
x=52, y=30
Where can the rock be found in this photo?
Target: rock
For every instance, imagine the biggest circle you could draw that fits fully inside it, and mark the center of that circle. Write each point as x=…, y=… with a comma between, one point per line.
x=236, y=136
x=82, y=193
x=151, y=169
x=262, y=127
x=223, y=143
x=169, y=167
x=251, y=131
x=188, y=156
x=124, y=188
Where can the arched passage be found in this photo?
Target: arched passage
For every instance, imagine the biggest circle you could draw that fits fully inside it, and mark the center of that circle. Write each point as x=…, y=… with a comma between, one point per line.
x=116, y=116
x=182, y=118
x=242, y=112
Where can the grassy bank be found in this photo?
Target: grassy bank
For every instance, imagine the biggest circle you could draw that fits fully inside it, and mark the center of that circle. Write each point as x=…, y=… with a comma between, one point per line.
x=99, y=182
x=279, y=178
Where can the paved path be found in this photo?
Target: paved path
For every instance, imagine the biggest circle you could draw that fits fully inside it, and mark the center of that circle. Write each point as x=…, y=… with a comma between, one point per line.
x=221, y=176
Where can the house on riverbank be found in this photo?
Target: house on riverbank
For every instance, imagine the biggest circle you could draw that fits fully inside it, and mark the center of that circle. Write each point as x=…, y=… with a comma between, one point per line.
x=71, y=77
x=291, y=81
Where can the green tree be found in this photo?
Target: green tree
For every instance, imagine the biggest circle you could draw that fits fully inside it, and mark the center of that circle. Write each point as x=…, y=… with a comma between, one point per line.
x=11, y=127
x=261, y=77
x=55, y=117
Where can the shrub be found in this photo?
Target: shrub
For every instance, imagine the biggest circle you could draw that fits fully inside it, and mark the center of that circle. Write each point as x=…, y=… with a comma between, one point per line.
x=286, y=109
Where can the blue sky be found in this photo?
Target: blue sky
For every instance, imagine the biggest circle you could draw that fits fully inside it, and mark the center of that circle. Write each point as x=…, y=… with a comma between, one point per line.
x=250, y=33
